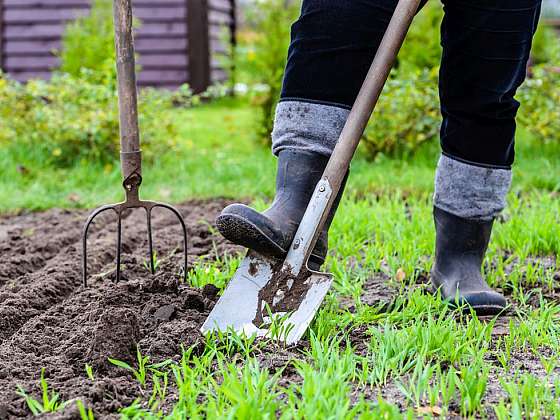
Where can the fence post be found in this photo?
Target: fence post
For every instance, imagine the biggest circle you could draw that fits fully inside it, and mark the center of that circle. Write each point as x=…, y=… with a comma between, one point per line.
x=198, y=45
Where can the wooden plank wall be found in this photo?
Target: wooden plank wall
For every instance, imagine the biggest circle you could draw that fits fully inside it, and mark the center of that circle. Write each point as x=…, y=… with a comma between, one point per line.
x=32, y=29
x=222, y=30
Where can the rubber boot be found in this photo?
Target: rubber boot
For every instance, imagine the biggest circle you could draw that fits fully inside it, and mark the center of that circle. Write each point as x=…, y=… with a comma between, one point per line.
x=460, y=248
x=272, y=231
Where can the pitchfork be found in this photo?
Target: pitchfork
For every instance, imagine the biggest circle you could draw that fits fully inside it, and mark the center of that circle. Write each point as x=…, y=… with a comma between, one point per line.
x=131, y=159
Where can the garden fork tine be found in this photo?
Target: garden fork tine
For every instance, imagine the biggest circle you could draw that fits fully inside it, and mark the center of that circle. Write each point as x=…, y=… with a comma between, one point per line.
x=131, y=157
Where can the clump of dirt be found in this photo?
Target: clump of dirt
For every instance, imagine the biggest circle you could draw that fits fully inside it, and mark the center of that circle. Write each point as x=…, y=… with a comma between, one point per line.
x=283, y=294
x=49, y=320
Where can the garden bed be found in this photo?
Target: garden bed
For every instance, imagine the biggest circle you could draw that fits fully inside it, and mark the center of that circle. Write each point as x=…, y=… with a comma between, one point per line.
x=48, y=320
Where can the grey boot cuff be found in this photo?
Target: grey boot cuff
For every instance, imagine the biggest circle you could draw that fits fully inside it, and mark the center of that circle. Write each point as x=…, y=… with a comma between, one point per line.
x=307, y=126
x=470, y=192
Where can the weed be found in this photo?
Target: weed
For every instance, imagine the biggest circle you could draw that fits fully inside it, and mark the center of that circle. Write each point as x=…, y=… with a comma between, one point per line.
x=143, y=367
x=49, y=403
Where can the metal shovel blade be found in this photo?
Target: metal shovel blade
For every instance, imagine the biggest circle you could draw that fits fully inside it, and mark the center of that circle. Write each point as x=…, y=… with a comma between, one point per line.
x=257, y=301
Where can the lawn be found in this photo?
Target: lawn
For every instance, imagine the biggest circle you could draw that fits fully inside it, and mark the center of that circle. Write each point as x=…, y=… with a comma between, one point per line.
x=381, y=346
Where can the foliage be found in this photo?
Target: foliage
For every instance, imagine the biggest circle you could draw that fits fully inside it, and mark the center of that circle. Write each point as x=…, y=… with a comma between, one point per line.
x=546, y=46
x=422, y=48
x=69, y=119
x=50, y=402
x=540, y=99
x=88, y=43
x=406, y=116
x=263, y=56
x=144, y=367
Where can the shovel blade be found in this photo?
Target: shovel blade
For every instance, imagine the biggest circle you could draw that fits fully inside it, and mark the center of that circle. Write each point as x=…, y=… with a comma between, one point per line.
x=245, y=308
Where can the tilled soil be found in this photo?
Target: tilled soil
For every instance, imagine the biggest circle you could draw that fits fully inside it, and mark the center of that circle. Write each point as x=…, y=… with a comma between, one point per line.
x=49, y=320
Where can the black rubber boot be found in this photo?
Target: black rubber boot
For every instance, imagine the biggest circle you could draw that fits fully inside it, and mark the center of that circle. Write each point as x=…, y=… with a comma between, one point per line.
x=460, y=248
x=272, y=231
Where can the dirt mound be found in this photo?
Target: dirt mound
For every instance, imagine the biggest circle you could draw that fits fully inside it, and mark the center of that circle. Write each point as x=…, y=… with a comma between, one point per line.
x=48, y=320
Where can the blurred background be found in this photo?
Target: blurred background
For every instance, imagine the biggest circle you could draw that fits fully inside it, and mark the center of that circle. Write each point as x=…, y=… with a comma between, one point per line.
x=211, y=73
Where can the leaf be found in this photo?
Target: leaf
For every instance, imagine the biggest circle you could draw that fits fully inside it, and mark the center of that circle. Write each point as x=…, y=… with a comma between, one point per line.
x=120, y=364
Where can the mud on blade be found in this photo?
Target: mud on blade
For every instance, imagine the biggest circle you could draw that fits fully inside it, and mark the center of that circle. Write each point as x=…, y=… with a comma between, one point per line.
x=258, y=290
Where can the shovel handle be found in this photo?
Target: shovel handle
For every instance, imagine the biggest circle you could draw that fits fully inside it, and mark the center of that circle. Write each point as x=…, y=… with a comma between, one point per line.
x=339, y=162
x=131, y=162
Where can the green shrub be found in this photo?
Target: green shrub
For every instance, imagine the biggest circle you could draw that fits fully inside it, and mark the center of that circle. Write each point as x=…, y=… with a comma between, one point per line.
x=422, y=48
x=540, y=103
x=262, y=58
x=546, y=46
x=70, y=119
x=88, y=43
x=406, y=116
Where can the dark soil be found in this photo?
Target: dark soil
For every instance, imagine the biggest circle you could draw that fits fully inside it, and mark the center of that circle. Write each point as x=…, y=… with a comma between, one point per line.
x=48, y=320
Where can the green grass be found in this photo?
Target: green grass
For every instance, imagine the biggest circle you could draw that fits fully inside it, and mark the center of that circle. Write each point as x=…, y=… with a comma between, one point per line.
x=414, y=352
x=218, y=156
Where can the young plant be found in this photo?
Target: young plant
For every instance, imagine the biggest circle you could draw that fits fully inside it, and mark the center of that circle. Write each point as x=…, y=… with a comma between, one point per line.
x=472, y=386
x=140, y=373
x=85, y=414
x=89, y=372
x=49, y=403
x=159, y=390
x=147, y=264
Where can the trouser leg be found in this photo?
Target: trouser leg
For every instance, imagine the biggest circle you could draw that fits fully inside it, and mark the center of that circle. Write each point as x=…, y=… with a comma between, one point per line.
x=486, y=47
x=332, y=45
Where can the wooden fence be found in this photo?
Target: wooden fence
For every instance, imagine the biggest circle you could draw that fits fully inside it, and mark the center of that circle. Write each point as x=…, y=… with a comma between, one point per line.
x=179, y=41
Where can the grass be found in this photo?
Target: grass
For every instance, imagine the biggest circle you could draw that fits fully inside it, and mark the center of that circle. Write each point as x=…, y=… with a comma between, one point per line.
x=220, y=157
x=411, y=358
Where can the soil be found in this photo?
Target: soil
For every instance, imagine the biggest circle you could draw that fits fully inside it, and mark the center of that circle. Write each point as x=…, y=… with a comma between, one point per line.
x=284, y=294
x=49, y=320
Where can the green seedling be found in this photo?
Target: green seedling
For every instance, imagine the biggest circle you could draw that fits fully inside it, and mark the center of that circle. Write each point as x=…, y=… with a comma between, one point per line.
x=473, y=378
x=416, y=390
x=278, y=326
x=147, y=265
x=159, y=390
x=49, y=403
x=85, y=414
x=143, y=367
x=89, y=372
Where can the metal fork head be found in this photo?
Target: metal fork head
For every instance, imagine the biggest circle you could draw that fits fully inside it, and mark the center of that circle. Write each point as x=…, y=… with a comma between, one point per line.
x=131, y=186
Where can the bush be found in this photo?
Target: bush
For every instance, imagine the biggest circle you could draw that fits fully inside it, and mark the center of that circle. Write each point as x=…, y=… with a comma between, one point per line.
x=88, y=43
x=540, y=103
x=70, y=119
x=406, y=116
x=546, y=46
x=262, y=57
x=422, y=48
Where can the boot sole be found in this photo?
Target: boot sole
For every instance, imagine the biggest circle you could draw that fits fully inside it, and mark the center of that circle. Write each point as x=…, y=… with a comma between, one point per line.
x=242, y=232
x=480, y=310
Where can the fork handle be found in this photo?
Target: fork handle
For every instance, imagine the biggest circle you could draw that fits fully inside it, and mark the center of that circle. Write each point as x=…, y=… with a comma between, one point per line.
x=131, y=160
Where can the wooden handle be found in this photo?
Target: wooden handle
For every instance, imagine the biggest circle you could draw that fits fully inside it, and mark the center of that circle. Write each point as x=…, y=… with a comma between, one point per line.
x=126, y=77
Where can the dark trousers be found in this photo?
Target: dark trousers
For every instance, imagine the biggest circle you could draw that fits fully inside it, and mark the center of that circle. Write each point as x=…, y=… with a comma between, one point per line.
x=486, y=46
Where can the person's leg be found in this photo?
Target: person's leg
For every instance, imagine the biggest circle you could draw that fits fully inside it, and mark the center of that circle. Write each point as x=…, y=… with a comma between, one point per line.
x=486, y=47
x=332, y=45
